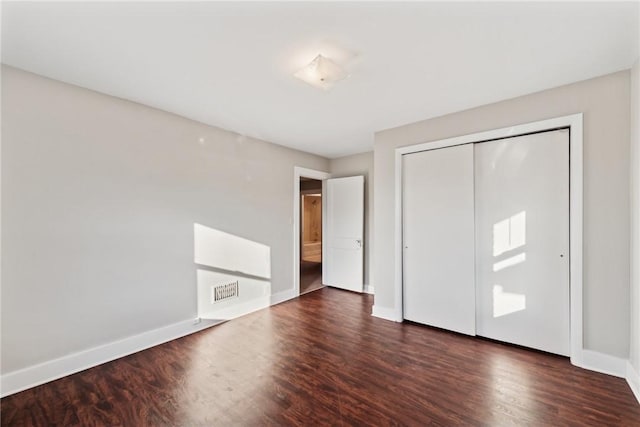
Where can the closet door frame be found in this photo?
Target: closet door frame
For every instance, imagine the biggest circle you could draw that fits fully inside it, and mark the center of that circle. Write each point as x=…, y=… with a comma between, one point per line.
x=574, y=123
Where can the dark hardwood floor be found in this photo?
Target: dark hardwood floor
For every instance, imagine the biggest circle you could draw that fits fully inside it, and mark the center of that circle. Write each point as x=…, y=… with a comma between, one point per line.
x=322, y=359
x=310, y=276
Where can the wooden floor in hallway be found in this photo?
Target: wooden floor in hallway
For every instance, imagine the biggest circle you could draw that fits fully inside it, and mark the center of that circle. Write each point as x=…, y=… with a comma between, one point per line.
x=310, y=276
x=322, y=359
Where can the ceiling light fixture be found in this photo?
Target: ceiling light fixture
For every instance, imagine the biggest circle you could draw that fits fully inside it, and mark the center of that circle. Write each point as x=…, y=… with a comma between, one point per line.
x=322, y=73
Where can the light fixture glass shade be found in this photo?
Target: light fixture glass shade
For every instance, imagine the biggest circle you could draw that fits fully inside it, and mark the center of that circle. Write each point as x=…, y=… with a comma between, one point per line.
x=322, y=73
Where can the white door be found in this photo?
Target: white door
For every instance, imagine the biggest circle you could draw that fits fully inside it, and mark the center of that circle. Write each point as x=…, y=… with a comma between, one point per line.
x=343, y=267
x=438, y=238
x=522, y=237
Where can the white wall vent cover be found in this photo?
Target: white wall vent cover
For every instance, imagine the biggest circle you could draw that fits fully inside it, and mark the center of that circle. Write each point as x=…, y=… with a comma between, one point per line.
x=224, y=292
x=219, y=295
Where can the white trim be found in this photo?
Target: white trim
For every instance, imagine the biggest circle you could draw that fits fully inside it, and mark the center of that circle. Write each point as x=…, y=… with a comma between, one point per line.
x=633, y=379
x=237, y=310
x=13, y=382
x=399, y=263
x=299, y=172
x=575, y=236
x=574, y=122
x=369, y=289
x=385, y=313
x=283, y=296
x=603, y=363
x=324, y=234
x=558, y=122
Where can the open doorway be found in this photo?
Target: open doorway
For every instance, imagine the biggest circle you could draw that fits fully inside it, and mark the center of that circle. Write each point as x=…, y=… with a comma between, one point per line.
x=310, y=234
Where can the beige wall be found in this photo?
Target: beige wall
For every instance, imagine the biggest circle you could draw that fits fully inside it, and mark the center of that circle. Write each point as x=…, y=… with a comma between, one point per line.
x=634, y=345
x=99, y=198
x=605, y=104
x=360, y=164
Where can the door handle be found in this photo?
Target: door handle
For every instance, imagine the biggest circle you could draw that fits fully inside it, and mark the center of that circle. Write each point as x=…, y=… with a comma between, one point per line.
x=359, y=242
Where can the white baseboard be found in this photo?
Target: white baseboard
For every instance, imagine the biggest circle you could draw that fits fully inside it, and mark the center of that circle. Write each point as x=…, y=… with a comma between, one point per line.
x=16, y=381
x=603, y=363
x=283, y=296
x=633, y=379
x=13, y=382
x=385, y=313
x=368, y=289
x=250, y=306
x=237, y=310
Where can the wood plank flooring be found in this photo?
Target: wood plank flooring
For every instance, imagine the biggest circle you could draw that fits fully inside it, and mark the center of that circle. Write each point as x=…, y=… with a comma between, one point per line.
x=322, y=359
x=310, y=276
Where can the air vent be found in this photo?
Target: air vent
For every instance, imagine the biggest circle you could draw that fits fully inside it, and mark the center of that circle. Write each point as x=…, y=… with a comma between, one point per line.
x=224, y=292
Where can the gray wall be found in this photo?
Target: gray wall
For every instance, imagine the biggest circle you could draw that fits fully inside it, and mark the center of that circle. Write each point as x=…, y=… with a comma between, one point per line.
x=99, y=198
x=634, y=345
x=360, y=164
x=605, y=104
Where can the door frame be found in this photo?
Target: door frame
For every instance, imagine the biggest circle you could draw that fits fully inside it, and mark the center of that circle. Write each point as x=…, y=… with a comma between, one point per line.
x=575, y=124
x=300, y=172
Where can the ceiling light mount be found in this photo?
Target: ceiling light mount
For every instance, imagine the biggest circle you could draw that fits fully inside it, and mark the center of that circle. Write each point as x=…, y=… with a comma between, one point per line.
x=322, y=73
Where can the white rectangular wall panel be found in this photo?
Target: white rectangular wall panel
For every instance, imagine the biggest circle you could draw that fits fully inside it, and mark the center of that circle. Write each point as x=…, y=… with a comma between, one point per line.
x=522, y=240
x=438, y=238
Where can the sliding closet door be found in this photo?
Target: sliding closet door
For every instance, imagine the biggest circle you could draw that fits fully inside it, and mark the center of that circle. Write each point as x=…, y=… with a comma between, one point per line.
x=522, y=238
x=438, y=270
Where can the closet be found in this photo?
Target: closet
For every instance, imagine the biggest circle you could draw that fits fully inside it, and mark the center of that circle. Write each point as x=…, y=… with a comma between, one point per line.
x=439, y=253
x=486, y=239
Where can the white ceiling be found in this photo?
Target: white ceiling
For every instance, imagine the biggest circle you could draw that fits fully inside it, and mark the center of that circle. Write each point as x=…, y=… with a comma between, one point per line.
x=231, y=64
